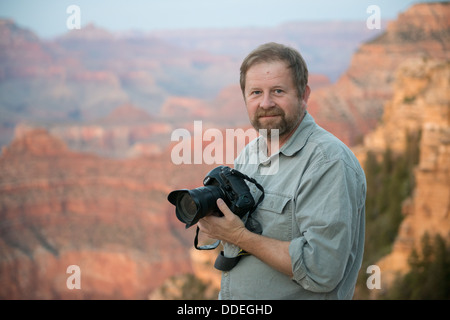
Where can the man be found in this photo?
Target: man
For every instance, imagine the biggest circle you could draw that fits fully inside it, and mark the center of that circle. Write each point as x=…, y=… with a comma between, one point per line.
x=312, y=216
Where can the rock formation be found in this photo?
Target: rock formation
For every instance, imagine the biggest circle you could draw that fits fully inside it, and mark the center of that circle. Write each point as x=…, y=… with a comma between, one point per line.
x=111, y=218
x=420, y=103
x=353, y=106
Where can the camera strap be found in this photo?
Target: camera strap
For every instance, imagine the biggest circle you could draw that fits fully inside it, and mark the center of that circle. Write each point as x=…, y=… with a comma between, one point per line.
x=206, y=246
x=225, y=264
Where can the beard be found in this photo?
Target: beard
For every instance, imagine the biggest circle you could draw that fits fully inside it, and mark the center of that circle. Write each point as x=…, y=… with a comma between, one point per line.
x=280, y=123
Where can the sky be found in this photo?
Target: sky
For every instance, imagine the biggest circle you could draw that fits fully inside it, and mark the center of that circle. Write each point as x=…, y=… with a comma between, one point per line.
x=47, y=18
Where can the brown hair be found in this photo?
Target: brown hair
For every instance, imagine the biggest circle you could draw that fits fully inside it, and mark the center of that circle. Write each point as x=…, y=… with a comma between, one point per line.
x=272, y=51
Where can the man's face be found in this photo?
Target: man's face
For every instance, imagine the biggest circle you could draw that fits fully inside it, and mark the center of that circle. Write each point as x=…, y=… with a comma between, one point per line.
x=271, y=98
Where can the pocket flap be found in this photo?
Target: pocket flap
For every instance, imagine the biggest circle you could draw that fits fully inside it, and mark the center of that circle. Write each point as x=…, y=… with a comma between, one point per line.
x=274, y=202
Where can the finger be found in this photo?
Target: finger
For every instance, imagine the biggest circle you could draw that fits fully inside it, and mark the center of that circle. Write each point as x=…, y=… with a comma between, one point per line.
x=223, y=207
x=204, y=226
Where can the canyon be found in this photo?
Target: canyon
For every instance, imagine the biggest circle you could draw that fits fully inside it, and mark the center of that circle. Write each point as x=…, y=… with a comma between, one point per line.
x=420, y=105
x=79, y=78
x=353, y=105
x=109, y=217
x=86, y=165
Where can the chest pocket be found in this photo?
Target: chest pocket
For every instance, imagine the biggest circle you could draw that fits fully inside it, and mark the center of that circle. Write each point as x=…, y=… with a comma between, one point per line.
x=275, y=216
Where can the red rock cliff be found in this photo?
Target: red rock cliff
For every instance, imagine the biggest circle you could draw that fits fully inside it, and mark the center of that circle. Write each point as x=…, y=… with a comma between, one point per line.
x=420, y=103
x=111, y=218
x=353, y=106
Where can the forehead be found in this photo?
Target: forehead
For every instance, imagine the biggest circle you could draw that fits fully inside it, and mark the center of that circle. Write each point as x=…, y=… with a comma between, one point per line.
x=269, y=72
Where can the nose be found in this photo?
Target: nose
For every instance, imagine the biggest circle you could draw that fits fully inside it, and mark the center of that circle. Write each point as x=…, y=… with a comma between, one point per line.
x=266, y=101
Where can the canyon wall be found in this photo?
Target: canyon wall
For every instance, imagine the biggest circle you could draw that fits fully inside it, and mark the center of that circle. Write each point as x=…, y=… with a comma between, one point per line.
x=353, y=106
x=109, y=217
x=60, y=207
x=420, y=105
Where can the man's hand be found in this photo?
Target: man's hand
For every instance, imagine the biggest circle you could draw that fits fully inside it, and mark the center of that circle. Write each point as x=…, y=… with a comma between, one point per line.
x=231, y=229
x=228, y=228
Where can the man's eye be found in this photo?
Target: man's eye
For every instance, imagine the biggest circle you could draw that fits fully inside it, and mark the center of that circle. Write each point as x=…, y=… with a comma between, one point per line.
x=278, y=91
x=256, y=92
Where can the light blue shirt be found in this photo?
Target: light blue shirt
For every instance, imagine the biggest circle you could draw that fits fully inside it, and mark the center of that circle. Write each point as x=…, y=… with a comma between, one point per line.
x=315, y=200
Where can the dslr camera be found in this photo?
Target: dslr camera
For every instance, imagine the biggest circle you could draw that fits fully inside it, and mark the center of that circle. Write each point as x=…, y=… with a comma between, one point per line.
x=221, y=182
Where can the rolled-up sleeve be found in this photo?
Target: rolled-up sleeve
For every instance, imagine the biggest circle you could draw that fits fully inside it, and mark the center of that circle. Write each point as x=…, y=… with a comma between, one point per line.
x=325, y=213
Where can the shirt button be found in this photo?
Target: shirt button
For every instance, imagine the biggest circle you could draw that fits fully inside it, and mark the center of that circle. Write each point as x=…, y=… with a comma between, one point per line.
x=225, y=274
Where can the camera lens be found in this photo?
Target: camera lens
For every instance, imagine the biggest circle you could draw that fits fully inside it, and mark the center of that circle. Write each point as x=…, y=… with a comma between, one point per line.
x=187, y=207
x=192, y=205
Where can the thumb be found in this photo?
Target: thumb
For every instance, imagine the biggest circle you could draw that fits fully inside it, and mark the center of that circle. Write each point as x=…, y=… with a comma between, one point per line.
x=223, y=207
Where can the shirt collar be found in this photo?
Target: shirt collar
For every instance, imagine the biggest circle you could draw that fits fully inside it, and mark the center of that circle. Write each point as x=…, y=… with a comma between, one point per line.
x=298, y=140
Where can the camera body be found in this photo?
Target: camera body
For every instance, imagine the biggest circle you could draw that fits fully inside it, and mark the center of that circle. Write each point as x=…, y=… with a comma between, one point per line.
x=237, y=194
x=221, y=182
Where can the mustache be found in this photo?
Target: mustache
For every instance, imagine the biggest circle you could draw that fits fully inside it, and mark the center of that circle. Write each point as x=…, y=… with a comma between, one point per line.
x=269, y=113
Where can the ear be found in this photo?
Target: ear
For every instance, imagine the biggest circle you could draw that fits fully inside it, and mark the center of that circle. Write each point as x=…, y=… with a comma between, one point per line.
x=306, y=94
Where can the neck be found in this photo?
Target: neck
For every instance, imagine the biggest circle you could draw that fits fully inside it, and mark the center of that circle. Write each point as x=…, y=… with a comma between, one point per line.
x=275, y=147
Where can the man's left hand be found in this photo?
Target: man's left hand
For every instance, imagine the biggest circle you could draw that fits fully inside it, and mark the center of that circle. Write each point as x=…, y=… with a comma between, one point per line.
x=228, y=228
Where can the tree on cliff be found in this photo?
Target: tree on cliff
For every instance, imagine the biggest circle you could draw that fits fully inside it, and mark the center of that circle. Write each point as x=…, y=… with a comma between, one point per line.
x=390, y=180
x=429, y=275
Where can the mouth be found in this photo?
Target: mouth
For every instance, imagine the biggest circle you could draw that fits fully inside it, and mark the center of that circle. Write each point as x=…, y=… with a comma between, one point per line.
x=269, y=116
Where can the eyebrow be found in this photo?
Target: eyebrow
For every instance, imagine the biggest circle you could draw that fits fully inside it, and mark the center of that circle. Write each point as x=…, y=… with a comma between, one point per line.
x=277, y=86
